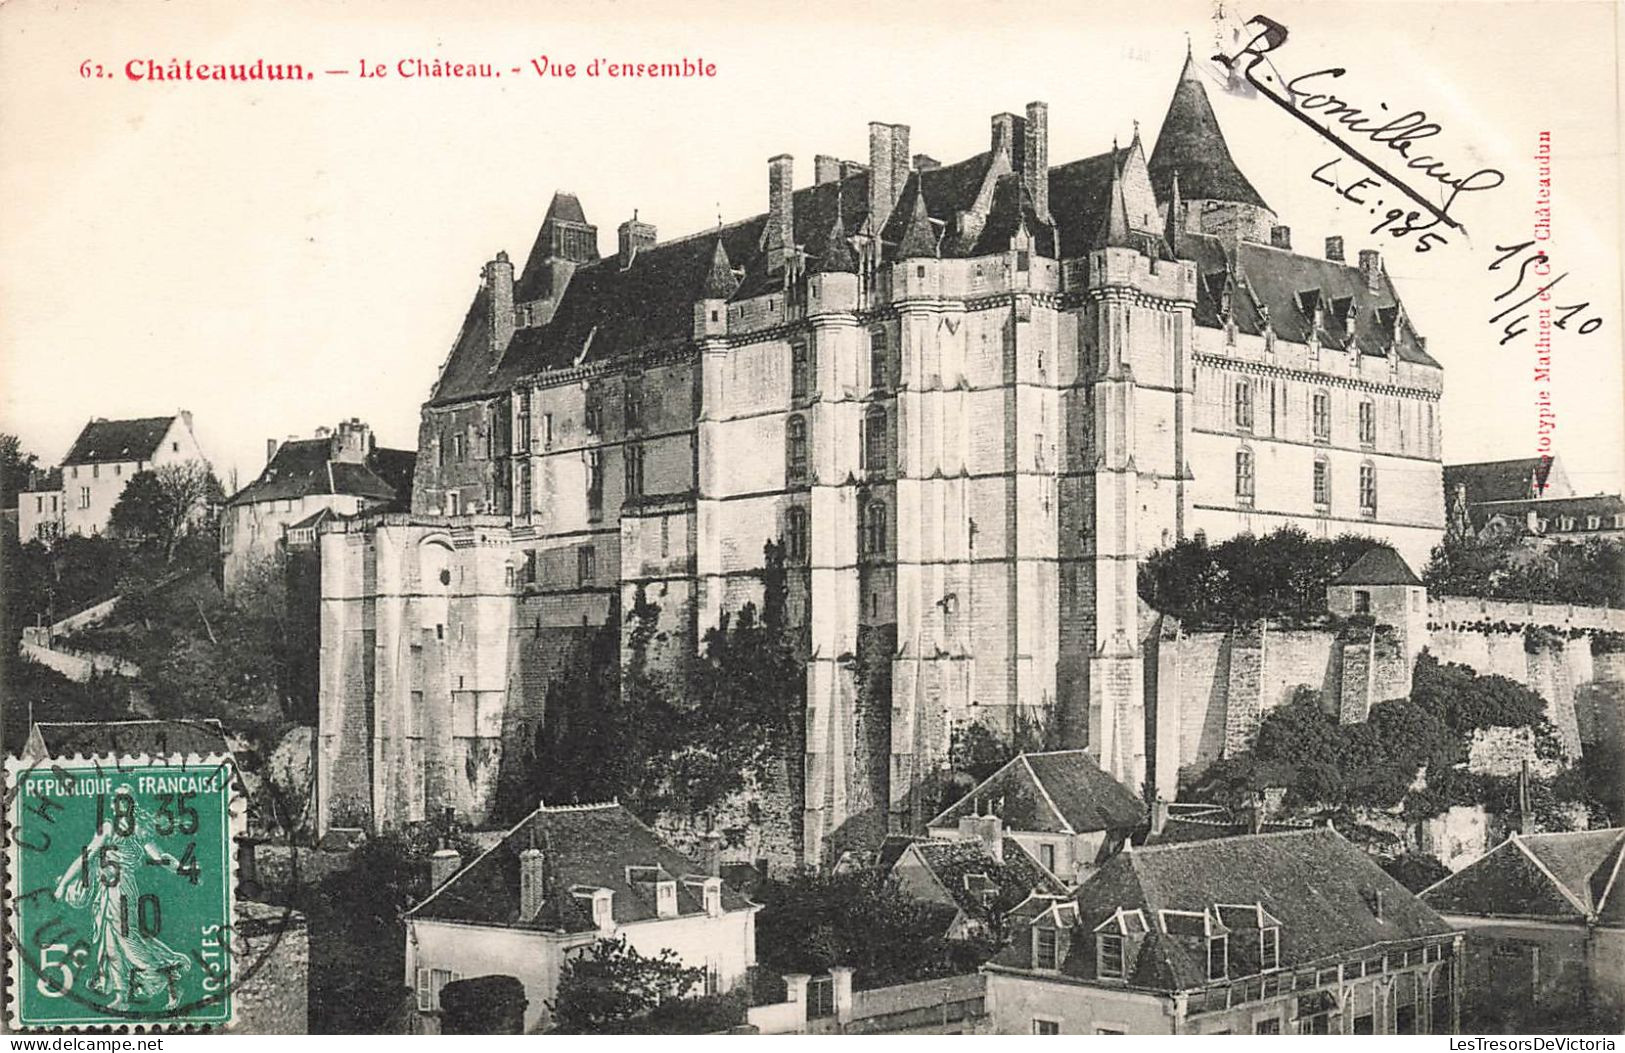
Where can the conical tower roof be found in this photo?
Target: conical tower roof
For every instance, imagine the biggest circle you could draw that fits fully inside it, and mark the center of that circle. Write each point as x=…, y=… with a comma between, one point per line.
x=720, y=281
x=1190, y=140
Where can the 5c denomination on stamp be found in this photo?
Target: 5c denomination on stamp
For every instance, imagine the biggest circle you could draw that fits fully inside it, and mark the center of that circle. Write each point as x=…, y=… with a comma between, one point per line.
x=121, y=886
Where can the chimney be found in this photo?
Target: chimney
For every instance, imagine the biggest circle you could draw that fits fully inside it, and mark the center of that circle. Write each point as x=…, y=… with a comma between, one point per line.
x=499, y=317
x=443, y=864
x=1159, y=814
x=323, y=431
x=1334, y=248
x=1371, y=268
x=270, y=450
x=781, y=221
x=925, y=162
x=899, y=159
x=351, y=443
x=988, y=829
x=882, y=194
x=532, y=886
x=852, y=168
x=1281, y=237
x=633, y=236
x=711, y=854
x=826, y=169
x=1035, y=170
x=1010, y=135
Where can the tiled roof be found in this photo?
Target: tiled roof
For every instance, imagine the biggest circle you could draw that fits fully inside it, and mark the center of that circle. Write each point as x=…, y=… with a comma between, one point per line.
x=152, y=737
x=303, y=467
x=1013, y=879
x=1320, y=888
x=1060, y=792
x=584, y=846
x=1512, y=480
x=1380, y=565
x=1553, y=876
x=1191, y=143
x=102, y=441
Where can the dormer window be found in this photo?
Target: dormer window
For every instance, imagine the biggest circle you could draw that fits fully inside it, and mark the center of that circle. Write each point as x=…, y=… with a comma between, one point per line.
x=1046, y=948
x=1269, y=948
x=666, y=899
x=1218, y=957
x=713, y=898
x=603, y=909
x=1109, y=957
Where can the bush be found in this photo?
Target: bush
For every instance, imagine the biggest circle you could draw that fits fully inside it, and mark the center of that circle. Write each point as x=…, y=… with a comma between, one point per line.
x=1282, y=575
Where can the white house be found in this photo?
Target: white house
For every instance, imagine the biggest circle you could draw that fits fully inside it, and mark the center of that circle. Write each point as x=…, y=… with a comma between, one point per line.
x=562, y=879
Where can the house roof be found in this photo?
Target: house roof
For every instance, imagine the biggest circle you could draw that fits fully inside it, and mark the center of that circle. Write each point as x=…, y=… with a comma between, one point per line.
x=304, y=467
x=1512, y=480
x=104, y=441
x=1380, y=565
x=1060, y=792
x=966, y=867
x=1561, y=876
x=151, y=737
x=1552, y=508
x=584, y=847
x=1319, y=888
x=1191, y=143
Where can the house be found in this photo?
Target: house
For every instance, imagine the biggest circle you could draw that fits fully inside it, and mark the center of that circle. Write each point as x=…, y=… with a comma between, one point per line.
x=563, y=878
x=340, y=472
x=1060, y=807
x=977, y=880
x=153, y=738
x=79, y=497
x=886, y=371
x=1545, y=921
x=1528, y=497
x=1286, y=933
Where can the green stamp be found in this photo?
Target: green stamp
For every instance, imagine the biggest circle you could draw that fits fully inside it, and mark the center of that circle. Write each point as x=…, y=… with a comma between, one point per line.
x=120, y=892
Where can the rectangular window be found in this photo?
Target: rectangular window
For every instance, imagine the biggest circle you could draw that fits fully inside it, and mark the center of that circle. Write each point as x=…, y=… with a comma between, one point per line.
x=1271, y=1026
x=1269, y=948
x=1046, y=856
x=84, y=497
x=1363, y=1025
x=1045, y=946
x=595, y=483
x=1244, y=405
x=547, y=431
x=1319, y=1024
x=1244, y=477
x=39, y=504
x=1321, y=415
x=118, y=469
x=454, y=503
x=634, y=404
x=521, y=427
x=1109, y=959
x=522, y=489
x=1323, y=483
x=593, y=413
x=800, y=381
x=1046, y=1027
x=586, y=565
x=878, y=359
x=1362, y=601
x=1368, y=489
x=95, y=471
x=1368, y=423
x=1218, y=957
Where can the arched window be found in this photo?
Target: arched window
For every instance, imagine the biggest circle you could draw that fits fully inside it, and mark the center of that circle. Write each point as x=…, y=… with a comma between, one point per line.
x=1244, y=477
x=879, y=359
x=795, y=448
x=876, y=451
x=874, y=529
x=796, y=538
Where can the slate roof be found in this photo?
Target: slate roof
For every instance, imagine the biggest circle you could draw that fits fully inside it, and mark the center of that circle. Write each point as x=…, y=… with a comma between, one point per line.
x=1191, y=143
x=152, y=737
x=1552, y=509
x=1319, y=887
x=585, y=846
x=1506, y=480
x=1013, y=879
x=1380, y=565
x=1560, y=877
x=303, y=467
x=104, y=441
x=1060, y=792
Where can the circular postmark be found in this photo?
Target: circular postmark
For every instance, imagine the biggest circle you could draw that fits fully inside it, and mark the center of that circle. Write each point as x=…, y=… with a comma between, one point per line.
x=122, y=892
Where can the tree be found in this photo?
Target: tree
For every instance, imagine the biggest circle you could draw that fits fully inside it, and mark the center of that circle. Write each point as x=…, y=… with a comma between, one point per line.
x=16, y=468
x=167, y=505
x=613, y=984
x=1280, y=575
x=1416, y=870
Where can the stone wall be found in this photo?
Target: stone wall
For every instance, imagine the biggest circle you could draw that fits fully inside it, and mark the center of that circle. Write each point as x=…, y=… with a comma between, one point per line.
x=1503, y=751
x=273, y=1000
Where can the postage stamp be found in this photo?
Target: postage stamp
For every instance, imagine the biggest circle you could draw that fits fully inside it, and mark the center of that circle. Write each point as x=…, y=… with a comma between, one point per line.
x=121, y=892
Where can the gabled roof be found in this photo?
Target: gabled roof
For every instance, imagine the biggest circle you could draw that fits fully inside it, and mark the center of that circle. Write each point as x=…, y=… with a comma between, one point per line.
x=584, y=847
x=1562, y=876
x=104, y=441
x=1060, y=792
x=1320, y=888
x=151, y=737
x=1191, y=143
x=1380, y=565
x=964, y=867
x=1518, y=479
x=304, y=467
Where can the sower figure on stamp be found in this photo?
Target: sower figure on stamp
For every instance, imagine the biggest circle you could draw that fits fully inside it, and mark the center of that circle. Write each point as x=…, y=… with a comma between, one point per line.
x=131, y=965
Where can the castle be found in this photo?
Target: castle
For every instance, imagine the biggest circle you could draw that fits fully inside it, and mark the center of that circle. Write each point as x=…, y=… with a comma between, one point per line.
x=966, y=398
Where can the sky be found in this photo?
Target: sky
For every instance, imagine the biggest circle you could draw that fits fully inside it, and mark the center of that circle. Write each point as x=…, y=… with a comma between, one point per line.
x=279, y=256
